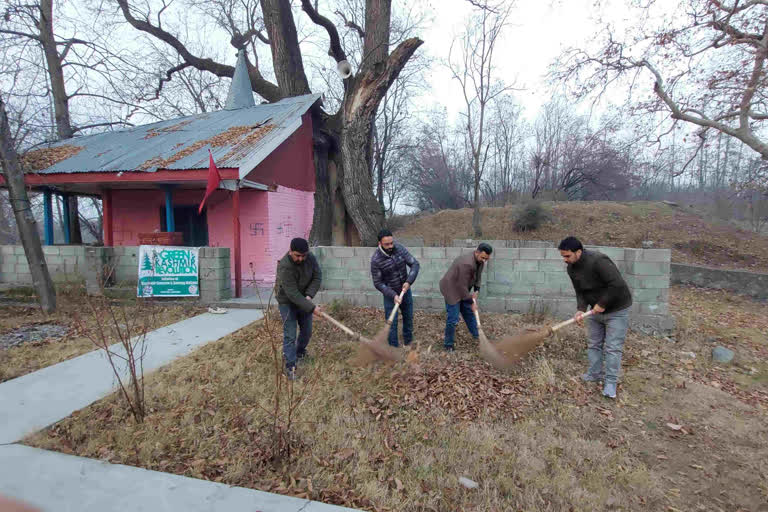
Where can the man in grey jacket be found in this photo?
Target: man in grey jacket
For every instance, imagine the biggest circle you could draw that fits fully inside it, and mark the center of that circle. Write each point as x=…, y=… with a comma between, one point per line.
x=298, y=281
x=598, y=283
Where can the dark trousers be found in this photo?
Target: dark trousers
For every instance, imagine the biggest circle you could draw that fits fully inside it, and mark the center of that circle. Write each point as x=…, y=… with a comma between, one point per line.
x=452, y=320
x=406, y=309
x=293, y=348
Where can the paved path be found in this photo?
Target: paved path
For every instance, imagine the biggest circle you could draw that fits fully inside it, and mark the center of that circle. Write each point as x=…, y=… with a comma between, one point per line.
x=62, y=483
x=57, y=482
x=36, y=400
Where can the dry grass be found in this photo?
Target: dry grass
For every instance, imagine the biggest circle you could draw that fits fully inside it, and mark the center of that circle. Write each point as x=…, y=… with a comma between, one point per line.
x=692, y=238
x=398, y=437
x=32, y=356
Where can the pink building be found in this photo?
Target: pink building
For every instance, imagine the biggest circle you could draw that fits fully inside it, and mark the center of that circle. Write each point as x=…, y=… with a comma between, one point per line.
x=152, y=178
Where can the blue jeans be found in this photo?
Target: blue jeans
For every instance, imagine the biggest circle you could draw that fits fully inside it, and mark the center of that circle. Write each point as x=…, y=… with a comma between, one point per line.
x=292, y=316
x=406, y=309
x=452, y=320
x=605, y=343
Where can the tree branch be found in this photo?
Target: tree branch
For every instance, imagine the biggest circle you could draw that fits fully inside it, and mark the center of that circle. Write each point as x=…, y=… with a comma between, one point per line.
x=351, y=24
x=335, y=50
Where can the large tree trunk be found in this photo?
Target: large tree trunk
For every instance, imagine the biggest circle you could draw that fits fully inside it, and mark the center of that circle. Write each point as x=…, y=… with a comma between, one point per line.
x=55, y=71
x=75, y=236
x=25, y=221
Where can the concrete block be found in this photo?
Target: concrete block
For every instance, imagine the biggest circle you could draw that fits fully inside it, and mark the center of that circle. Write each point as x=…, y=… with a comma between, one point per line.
x=526, y=265
x=50, y=250
x=518, y=304
x=651, y=295
x=498, y=289
x=531, y=277
x=434, y=252
x=365, y=252
x=644, y=268
x=650, y=281
x=653, y=308
x=615, y=253
x=657, y=255
x=529, y=253
x=332, y=262
x=547, y=289
x=8, y=268
x=552, y=266
x=632, y=254
x=334, y=273
x=451, y=253
x=18, y=249
x=22, y=268
x=552, y=254
x=355, y=284
x=6, y=249
x=331, y=284
x=343, y=252
x=23, y=277
x=505, y=254
x=505, y=277
x=416, y=252
x=493, y=305
x=53, y=259
x=355, y=264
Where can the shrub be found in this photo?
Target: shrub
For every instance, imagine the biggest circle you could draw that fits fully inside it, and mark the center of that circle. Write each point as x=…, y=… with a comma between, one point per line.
x=530, y=216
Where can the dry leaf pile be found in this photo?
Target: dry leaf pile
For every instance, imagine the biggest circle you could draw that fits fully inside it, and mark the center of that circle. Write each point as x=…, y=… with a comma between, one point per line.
x=43, y=158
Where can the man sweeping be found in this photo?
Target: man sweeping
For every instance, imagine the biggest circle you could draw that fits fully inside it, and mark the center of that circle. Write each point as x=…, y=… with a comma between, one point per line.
x=298, y=281
x=598, y=283
x=390, y=265
x=457, y=287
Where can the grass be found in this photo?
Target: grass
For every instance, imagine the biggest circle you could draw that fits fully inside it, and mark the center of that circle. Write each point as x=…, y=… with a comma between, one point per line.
x=398, y=437
x=31, y=356
x=692, y=237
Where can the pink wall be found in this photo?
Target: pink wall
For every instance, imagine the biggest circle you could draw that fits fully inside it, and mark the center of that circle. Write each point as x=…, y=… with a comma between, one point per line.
x=268, y=222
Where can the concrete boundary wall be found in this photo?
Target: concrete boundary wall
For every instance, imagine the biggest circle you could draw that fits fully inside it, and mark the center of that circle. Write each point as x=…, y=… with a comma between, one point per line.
x=516, y=280
x=111, y=267
x=739, y=281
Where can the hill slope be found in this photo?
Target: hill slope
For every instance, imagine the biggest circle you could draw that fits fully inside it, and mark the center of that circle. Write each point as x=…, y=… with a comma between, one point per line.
x=692, y=238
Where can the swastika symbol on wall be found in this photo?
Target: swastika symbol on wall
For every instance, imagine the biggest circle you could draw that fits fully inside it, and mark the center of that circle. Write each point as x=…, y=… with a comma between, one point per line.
x=256, y=229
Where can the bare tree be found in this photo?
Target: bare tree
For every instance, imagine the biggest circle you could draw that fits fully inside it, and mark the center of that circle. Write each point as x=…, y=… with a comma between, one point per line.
x=473, y=68
x=343, y=139
x=25, y=220
x=707, y=64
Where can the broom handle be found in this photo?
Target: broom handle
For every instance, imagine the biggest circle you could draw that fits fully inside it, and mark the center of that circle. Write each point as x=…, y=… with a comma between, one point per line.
x=570, y=321
x=394, y=309
x=340, y=325
x=477, y=314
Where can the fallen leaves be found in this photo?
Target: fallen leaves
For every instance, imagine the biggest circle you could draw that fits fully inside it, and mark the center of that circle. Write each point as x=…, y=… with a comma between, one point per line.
x=40, y=159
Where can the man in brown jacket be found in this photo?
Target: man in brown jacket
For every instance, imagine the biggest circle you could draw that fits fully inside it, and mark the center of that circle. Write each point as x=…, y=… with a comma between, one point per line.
x=456, y=287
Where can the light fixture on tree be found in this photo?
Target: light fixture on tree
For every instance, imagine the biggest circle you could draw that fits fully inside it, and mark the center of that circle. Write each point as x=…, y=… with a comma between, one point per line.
x=344, y=68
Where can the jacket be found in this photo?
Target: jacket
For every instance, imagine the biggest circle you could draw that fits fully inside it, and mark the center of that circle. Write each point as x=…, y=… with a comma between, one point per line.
x=463, y=275
x=596, y=280
x=389, y=273
x=296, y=282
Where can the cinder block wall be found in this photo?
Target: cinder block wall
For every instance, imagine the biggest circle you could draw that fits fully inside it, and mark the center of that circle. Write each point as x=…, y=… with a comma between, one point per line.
x=91, y=265
x=65, y=264
x=515, y=280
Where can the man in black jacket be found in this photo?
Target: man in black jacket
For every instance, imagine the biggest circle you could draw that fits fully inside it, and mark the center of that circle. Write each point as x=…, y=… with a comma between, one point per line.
x=298, y=281
x=598, y=283
x=389, y=270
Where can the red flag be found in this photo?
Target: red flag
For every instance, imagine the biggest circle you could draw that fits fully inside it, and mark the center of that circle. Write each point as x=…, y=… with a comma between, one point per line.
x=213, y=181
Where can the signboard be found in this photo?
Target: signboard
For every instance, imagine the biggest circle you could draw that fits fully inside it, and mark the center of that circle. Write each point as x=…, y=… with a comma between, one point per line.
x=168, y=271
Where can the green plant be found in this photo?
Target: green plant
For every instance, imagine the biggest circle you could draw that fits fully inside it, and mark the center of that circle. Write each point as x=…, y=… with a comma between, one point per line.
x=530, y=216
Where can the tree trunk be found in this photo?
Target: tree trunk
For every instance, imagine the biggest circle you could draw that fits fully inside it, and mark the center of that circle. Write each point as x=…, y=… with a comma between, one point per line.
x=30, y=239
x=55, y=71
x=284, y=43
x=75, y=237
x=476, y=220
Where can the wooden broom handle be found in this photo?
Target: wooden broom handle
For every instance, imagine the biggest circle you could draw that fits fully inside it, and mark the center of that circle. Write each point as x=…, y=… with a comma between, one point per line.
x=570, y=321
x=340, y=325
x=477, y=314
x=394, y=309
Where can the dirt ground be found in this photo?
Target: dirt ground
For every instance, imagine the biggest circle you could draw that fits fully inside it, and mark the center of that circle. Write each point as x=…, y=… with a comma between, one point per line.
x=693, y=238
x=684, y=434
x=30, y=340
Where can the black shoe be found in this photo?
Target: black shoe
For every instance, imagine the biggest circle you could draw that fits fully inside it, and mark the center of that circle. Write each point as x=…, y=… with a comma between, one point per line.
x=449, y=349
x=407, y=344
x=301, y=355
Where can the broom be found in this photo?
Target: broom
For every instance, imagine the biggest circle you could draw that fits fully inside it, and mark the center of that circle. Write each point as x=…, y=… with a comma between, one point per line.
x=487, y=350
x=381, y=336
x=384, y=352
x=511, y=349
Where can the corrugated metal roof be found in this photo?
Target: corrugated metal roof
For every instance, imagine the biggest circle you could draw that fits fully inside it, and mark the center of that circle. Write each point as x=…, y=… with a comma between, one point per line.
x=235, y=137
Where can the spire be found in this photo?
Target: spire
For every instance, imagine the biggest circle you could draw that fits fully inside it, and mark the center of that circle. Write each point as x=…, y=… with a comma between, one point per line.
x=240, y=92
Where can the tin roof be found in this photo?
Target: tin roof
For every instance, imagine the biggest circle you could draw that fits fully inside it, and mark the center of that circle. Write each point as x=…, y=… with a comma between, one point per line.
x=239, y=138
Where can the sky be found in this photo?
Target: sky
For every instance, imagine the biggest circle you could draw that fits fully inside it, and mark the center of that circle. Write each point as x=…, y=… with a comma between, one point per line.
x=539, y=31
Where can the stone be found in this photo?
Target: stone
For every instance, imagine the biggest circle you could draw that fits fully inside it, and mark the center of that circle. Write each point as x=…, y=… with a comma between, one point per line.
x=647, y=244
x=469, y=484
x=721, y=354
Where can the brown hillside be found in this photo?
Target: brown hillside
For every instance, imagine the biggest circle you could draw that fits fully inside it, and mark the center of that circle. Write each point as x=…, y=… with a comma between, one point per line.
x=692, y=238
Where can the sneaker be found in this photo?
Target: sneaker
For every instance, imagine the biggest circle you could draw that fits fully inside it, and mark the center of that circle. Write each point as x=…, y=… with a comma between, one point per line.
x=609, y=390
x=290, y=373
x=449, y=349
x=588, y=377
x=301, y=355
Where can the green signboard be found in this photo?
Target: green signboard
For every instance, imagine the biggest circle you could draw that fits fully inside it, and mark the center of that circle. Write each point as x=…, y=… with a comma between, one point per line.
x=168, y=271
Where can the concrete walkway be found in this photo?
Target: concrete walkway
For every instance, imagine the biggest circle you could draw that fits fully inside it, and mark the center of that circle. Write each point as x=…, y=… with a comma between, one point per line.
x=34, y=401
x=57, y=482
x=61, y=483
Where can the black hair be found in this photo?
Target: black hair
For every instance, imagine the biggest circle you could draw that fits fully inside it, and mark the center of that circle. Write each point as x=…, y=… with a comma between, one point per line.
x=300, y=245
x=384, y=232
x=486, y=248
x=571, y=243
